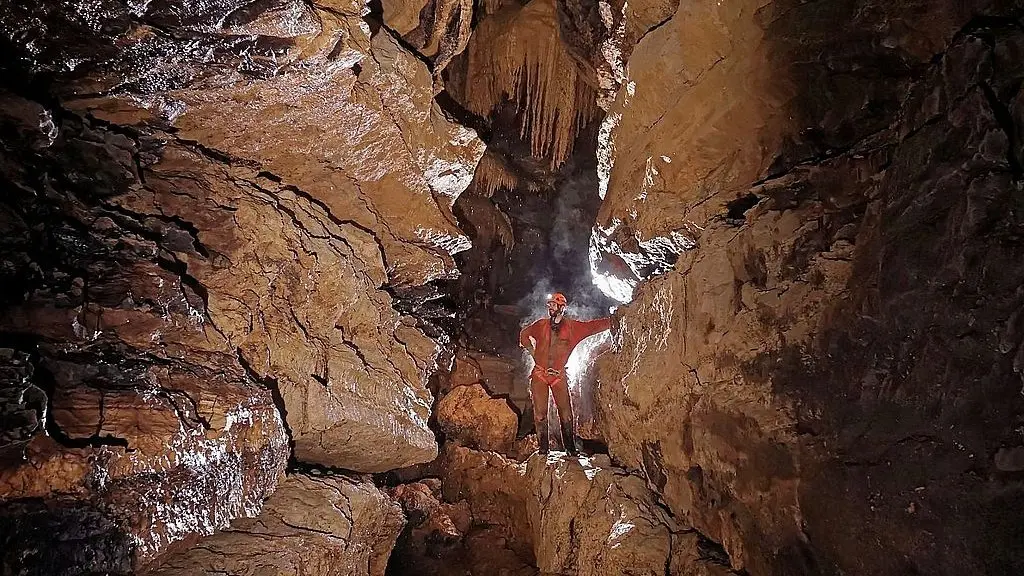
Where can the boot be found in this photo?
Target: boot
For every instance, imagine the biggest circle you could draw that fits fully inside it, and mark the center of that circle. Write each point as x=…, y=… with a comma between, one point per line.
x=569, y=439
x=542, y=437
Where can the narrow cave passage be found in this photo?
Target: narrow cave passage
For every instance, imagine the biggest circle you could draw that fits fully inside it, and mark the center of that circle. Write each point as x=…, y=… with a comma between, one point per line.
x=264, y=266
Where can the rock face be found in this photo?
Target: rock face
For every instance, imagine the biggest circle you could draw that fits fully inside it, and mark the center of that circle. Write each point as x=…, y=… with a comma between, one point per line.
x=496, y=492
x=286, y=227
x=323, y=526
x=469, y=415
x=493, y=490
x=116, y=463
x=432, y=542
x=590, y=518
x=469, y=520
x=825, y=383
x=207, y=206
x=219, y=216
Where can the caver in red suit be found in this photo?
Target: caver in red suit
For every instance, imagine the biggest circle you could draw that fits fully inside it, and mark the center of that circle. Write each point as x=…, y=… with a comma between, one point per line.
x=550, y=341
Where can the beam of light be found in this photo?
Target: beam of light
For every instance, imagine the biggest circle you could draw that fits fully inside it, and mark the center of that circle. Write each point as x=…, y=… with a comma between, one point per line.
x=617, y=271
x=616, y=288
x=581, y=376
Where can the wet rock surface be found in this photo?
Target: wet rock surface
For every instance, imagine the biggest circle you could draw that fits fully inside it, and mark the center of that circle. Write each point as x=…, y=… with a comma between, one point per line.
x=311, y=525
x=228, y=125
x=106, y=475
x=469, y=416
x=822, y=384
x=230, y=238
x=206, y=207
x=591, y=518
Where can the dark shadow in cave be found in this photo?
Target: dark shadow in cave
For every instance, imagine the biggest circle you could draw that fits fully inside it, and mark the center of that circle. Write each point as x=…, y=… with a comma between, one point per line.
x=61, y=538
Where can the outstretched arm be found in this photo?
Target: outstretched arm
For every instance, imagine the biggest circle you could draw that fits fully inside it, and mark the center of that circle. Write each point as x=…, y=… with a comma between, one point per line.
x=590, y=327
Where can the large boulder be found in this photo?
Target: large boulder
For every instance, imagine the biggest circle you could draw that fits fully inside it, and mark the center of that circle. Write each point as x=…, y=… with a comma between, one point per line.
x=497, y=493
x=469, y=416
x=591, y=518
x=433, y=539
x=315, y=526
x=471, y=521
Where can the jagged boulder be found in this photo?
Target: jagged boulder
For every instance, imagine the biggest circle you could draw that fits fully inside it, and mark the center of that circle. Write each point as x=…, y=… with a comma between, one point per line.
x=496, y=373
x=316, y=526
x=469, y=416
x=108, y=476
x=589, y=520
x=588, y=517
x=433, y=539
x=497, y=493
x=470, y=522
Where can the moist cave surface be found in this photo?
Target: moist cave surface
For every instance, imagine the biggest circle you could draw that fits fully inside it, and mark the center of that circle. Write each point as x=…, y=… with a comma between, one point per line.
x=264, y=267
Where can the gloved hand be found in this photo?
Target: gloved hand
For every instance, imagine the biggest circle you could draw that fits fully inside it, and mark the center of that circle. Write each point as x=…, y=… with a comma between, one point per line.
x=616, y=318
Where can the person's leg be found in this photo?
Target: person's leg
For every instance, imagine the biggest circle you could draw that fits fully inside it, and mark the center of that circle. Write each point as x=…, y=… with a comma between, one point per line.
x=539, y=396
x=560, y=390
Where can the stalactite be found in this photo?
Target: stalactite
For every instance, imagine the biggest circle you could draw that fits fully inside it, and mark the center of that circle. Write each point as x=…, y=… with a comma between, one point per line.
x=491, y=6
x=493, y=174
x=449, y=31
x=440, y=30
x=524, y=61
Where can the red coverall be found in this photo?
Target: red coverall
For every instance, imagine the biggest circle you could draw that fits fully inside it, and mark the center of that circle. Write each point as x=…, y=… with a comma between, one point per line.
x=550, y=355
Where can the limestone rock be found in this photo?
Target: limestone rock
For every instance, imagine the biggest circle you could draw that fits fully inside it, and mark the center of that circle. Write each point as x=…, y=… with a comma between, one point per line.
x=469, y=416
x=258, y=229
x=500, y=376
x=734, y=81
x=523, y=448
x=107, y=476
x=600, y=35
x=466, y=370
x=497, y=493
x=497, y=374
x=420, y=502
x=590, y=520
x=321, y=526
x=432, y=542
x=805, y=385
x=389, y=161
x=473, y=522
x=265, y=282
x=437, y=29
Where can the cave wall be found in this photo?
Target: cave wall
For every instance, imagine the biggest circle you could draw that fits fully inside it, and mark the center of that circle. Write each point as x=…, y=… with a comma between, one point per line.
x=219, y=216
x=207, y=210
x=829, y=380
